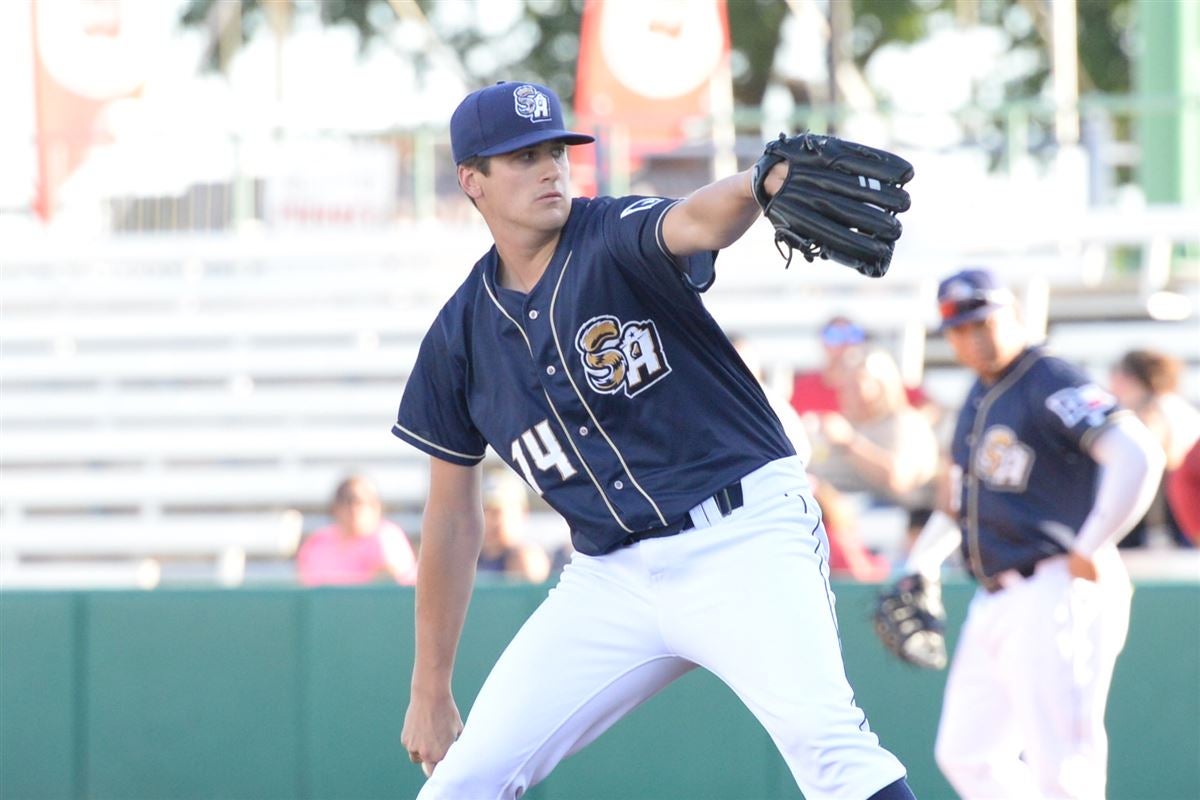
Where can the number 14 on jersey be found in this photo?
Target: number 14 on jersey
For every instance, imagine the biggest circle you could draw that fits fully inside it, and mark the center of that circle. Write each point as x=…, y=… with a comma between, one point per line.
x=540, y=443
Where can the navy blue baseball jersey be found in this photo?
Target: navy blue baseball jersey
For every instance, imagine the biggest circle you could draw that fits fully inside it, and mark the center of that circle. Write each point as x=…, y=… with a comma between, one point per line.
x=1021, y=449
x=608, y=386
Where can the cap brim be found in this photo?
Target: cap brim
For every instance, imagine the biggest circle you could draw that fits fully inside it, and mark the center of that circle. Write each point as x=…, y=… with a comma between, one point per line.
x=536, y=137
x=974, y=315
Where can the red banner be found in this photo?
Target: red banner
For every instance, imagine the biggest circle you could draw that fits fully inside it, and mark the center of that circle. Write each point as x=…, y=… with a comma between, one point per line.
x=81, y=63
x=646, y=75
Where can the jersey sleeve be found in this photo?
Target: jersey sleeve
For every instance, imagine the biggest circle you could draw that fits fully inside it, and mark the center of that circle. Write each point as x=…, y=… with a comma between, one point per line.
x=1074, y=408
x=633, y=231
x=433, y=414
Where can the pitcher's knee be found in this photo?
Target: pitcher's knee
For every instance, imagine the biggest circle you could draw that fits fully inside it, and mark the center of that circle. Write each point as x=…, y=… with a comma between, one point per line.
x=476, y=784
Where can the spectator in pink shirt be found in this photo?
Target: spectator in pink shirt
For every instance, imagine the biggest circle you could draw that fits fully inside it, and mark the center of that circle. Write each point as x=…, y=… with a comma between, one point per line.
x=360, y=546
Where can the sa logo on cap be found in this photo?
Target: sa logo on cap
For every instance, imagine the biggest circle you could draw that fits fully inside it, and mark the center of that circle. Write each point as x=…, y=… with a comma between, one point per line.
x=531, y=104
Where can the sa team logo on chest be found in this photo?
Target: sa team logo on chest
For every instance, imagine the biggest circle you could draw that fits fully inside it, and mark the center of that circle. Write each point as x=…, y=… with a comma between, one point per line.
x=621, y=357
x=1003, y=461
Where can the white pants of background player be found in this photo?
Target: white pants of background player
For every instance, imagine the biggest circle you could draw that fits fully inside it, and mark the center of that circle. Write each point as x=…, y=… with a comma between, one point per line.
x=745, y=596
x=1023, y=715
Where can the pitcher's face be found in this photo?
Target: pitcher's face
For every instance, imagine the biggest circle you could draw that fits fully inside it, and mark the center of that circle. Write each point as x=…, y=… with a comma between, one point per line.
x=528, y=187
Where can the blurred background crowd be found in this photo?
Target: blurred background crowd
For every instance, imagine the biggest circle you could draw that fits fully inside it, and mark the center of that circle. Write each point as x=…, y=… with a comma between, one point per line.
x=226, y=225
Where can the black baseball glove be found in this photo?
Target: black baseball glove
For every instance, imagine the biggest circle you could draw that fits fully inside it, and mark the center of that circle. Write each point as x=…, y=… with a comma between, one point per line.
x=910, y=621
x=839, y=201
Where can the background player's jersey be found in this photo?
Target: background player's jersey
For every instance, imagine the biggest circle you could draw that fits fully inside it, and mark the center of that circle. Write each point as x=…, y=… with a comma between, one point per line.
x=579, y=383
x=1020, y=447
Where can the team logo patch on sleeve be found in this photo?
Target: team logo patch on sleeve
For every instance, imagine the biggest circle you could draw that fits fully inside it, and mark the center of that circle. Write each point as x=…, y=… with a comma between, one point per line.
x=621, y=357
x=1076, y=404
x=640, y=205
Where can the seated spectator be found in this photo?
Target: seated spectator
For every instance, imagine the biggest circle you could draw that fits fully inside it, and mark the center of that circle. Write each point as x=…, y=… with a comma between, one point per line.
x=506, y=553
x=841, y=340
x=877, y=442
x=817, y=390
x=359, y=546
x=1146, y=382
x=1183, y=494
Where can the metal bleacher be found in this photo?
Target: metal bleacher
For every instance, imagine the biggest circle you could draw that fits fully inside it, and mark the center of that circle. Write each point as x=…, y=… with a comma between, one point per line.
x=172, y=400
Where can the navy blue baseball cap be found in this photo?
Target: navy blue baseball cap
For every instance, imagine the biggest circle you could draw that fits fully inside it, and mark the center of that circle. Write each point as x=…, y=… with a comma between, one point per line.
x=970, y=295
x=506, y=117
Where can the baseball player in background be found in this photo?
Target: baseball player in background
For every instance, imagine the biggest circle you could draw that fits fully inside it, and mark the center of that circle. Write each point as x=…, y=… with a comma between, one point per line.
x=1049, y=473
x=579, y=349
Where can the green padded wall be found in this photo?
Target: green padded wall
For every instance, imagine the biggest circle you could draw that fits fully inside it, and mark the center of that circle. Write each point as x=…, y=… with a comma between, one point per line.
x=191, y=695
x=39, y=713
x=290, y=693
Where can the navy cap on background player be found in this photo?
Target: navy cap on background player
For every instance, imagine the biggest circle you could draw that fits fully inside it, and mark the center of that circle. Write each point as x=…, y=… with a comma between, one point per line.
x=970, y=295
x=506, y=117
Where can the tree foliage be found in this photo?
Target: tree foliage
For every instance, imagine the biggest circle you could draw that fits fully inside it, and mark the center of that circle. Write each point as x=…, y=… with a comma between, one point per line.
x=358, y=13
x=549, y=31
x=754, y=32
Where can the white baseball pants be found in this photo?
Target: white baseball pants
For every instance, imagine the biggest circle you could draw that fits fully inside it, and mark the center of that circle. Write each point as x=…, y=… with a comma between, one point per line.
x=1023, y=714
x=745, y=597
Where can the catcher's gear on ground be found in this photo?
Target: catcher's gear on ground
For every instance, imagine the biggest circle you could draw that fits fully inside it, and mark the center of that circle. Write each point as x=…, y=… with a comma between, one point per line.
x=839, y=200
x=910, y=621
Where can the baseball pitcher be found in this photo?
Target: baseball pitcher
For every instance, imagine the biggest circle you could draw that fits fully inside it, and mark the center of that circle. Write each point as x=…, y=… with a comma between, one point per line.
x=579, y=349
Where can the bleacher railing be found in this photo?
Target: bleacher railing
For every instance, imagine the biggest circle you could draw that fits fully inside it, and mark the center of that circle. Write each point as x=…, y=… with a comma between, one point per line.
x=287, y=179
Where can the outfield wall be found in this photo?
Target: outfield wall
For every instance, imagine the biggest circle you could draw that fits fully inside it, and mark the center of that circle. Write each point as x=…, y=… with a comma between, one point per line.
x=291, y=693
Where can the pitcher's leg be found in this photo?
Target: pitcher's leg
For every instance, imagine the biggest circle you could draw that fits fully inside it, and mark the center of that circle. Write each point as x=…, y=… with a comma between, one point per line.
x=587, y=656
x=757, y=611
